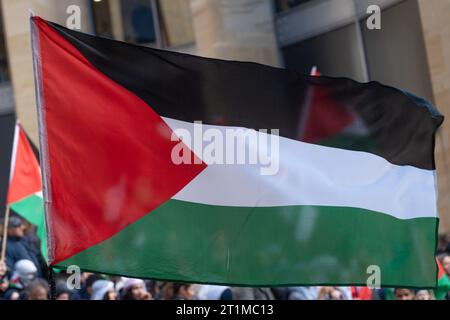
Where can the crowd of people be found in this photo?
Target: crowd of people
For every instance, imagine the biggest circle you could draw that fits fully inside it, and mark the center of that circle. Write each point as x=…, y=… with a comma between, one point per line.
x=24, y=276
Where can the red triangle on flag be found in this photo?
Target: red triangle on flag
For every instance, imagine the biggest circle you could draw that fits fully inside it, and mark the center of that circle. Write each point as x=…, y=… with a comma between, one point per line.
x=121, y=147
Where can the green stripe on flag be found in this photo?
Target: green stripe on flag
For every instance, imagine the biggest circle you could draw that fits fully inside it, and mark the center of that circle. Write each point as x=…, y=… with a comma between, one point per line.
x=443, y=287
x=32, y=209
x=268, y=246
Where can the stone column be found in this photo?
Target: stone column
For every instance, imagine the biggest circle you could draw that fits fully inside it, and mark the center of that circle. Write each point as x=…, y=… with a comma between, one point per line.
x=436, y=28
x=235, y=30
x=17, y=37
x=116, y=19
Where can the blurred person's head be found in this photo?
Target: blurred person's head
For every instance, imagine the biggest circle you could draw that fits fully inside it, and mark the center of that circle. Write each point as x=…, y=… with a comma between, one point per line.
x=103, y=290
x=37, y=290
x=3, y=268
x=12, y=295
x=16, y=228
x=423, y=295
x=25, y=271
x=4, y=283
x=110, y=295
x=336, y=294
x=213, y=292
x=443, y=240
x=134, y=289
x=445, y=261
x=403, y=294
x=85, y=276
x=168, y=291
x=28, y=227
x=330, y=293
x=91, y=278
x=182, y=291
x=63, y=296
x=62, y=292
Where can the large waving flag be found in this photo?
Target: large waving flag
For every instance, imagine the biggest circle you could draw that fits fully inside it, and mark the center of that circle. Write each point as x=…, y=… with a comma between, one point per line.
x=117, y=203
x=25, y=187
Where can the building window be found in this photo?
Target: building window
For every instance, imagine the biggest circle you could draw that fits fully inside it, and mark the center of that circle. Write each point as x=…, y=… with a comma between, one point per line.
x=285, y=5
x=102, y=18
x=334, y=53
x=394, y=55
x=138, y=21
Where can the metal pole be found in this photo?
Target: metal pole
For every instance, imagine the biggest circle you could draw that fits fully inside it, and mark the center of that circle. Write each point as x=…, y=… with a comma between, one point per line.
x=156, y=23
x=361, y=46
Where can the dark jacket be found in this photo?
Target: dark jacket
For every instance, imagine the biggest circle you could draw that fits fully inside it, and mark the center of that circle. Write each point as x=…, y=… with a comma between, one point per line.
x=18, y=249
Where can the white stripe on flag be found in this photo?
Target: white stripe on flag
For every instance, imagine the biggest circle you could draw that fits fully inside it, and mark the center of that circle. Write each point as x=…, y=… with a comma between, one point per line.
x=310, y=174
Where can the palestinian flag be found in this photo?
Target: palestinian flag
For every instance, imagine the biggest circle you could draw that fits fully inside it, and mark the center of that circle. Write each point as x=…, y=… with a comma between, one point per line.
x=443, y=285
x=111, y=115
x=325, y=122
x=25, y=187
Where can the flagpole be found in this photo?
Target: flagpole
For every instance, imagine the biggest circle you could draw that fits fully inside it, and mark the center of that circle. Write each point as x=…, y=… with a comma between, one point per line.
x=51, y=283
x=5, y=233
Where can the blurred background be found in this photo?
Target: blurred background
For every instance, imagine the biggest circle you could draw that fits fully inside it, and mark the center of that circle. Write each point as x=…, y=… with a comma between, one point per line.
x=411, y=51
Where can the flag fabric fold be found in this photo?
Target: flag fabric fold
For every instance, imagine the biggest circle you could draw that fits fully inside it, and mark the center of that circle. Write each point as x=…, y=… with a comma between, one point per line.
x=117, y=203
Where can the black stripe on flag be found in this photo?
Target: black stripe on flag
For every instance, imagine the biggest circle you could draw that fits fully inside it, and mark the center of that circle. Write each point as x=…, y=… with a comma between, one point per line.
x=395, y=125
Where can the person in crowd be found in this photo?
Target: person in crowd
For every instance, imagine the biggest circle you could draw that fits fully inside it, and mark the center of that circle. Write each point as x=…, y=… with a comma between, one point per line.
x=18, y=248
x=135, y=289
x=24, y=273
x=178, y=291
x=443, y=244
x=213, y=292
x=37, y=290
x=361, y=293
x=424, y=295
x=3, y=269
x=87, y=280
x=403, y=294
x=303, y=293
x=30, y=234
x=167, y=291
x=118, y=282
x=103, y=290
x=281, y=293
x=156, y=289
x=444, y=259
x=334, y=293
x=62, y=292
x=252, y=294
x=4, y=282
x=445, y=262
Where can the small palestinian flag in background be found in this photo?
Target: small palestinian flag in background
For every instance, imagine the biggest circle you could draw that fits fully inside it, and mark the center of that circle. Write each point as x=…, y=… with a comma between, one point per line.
x=117, y=203
x=324, y=121
x=443, y=285
x=25, y=187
